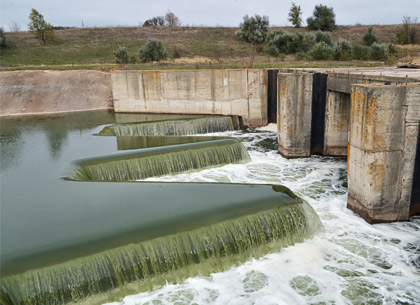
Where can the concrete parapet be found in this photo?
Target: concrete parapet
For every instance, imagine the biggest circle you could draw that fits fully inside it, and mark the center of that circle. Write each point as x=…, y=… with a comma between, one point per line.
x=384, y=126
x=37, y=92
x=294, y=114
x=222, y=92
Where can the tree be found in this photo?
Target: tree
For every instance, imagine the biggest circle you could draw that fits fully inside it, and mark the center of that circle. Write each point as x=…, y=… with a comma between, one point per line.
x=155, y=21
x=369, y=38
x=253, y=29
x=171, y=19
x=14, y=26
x=153, y=50
x=323, y=19
x=408, y=33
x=39, y=27
x=295, y=15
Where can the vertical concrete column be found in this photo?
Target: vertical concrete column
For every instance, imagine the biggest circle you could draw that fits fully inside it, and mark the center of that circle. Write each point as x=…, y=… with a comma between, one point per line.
x=337, y=116
x=382, y=147
x=294, y=114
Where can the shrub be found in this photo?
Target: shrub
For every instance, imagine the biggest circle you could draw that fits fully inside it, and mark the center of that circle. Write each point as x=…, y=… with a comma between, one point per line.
x=323, y=19
x=342, y=50
x=301, y=55
x=280, y=42
x=323, y=37
x=321, y=51
x=392, y=50
x=369, y=38
x=178, y=52
x=308, y=42
x=133, y=60
x=121, y=55
x=153, y=50
x=295, y=15
x=379, y=51
x=361, y=52
x=253, y=29
x=3, y=39
x=409, y=31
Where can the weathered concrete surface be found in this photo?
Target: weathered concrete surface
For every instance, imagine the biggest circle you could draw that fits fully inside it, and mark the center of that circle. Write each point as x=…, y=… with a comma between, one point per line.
x=337, y=126
x=294, y=114
x=223, y=92
x=384, y=122
x=33, y=92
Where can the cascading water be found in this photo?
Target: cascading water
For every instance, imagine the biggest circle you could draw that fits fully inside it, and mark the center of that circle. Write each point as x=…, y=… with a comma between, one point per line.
x=102, y=241
x=173, y=127
x=156, y=162
x=136, y=267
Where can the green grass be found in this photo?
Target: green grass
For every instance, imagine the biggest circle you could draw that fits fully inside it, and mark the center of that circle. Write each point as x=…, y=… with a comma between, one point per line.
x=91, y=48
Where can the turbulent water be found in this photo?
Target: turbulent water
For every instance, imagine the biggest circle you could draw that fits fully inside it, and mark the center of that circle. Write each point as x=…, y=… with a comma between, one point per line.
x=351, y=263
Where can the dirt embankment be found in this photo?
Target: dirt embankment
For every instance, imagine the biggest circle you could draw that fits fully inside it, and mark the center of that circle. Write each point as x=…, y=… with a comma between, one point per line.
x=36, y=92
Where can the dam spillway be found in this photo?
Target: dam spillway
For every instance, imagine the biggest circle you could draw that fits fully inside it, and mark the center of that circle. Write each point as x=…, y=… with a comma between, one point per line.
x=94, y=241
x=156, y=162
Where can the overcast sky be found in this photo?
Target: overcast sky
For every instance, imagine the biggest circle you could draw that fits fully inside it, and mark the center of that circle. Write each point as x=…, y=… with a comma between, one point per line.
x=195, y=12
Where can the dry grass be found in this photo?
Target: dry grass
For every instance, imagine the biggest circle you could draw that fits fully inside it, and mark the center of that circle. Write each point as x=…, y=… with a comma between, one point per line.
x=90, y=47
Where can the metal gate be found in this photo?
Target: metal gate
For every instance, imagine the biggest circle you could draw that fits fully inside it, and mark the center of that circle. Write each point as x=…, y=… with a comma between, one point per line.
x=319, y=101
x=415, y=191
x=272, y=96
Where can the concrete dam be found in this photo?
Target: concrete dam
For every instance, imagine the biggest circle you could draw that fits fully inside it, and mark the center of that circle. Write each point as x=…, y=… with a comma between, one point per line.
x=181, y=127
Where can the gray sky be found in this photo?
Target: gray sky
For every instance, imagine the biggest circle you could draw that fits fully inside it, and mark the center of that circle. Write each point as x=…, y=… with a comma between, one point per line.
x=194, y=12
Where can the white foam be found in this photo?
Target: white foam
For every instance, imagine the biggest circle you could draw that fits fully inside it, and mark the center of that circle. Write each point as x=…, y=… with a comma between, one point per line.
x=352, y=262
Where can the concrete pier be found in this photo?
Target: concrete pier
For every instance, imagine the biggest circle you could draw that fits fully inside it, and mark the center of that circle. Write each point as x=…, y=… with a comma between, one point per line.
x=294, y=114
x=384, y=126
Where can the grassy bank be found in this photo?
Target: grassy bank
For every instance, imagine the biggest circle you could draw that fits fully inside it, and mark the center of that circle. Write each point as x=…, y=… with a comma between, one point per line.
x=200, y=47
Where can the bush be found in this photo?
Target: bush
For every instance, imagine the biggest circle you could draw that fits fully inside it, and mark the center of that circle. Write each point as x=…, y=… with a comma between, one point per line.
x=321, y=51
x=280, y=42
x=178, y=52
x=153, y=50
x=369, y=38
x=379, y=51
x=301, y=55
x=392, y=50
x=361, y=52
x=323, y=37
x=323, y=19
x=121, y=55
x=342, y=50
x=253, y=29
x=308, y=42
x=3, y=39
x=133, y=60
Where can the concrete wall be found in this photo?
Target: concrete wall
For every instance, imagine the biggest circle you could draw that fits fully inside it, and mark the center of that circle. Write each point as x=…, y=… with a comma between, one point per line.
x=337, y=116
x=384, y=123
x=223, y=92
x=31, y=92
x=294, y=114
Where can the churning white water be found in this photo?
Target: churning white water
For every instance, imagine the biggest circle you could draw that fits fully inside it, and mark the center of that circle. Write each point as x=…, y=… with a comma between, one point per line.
x=352, y=262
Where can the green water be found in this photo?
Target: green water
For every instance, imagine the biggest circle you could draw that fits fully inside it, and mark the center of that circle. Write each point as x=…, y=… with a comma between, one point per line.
x=67, y=241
